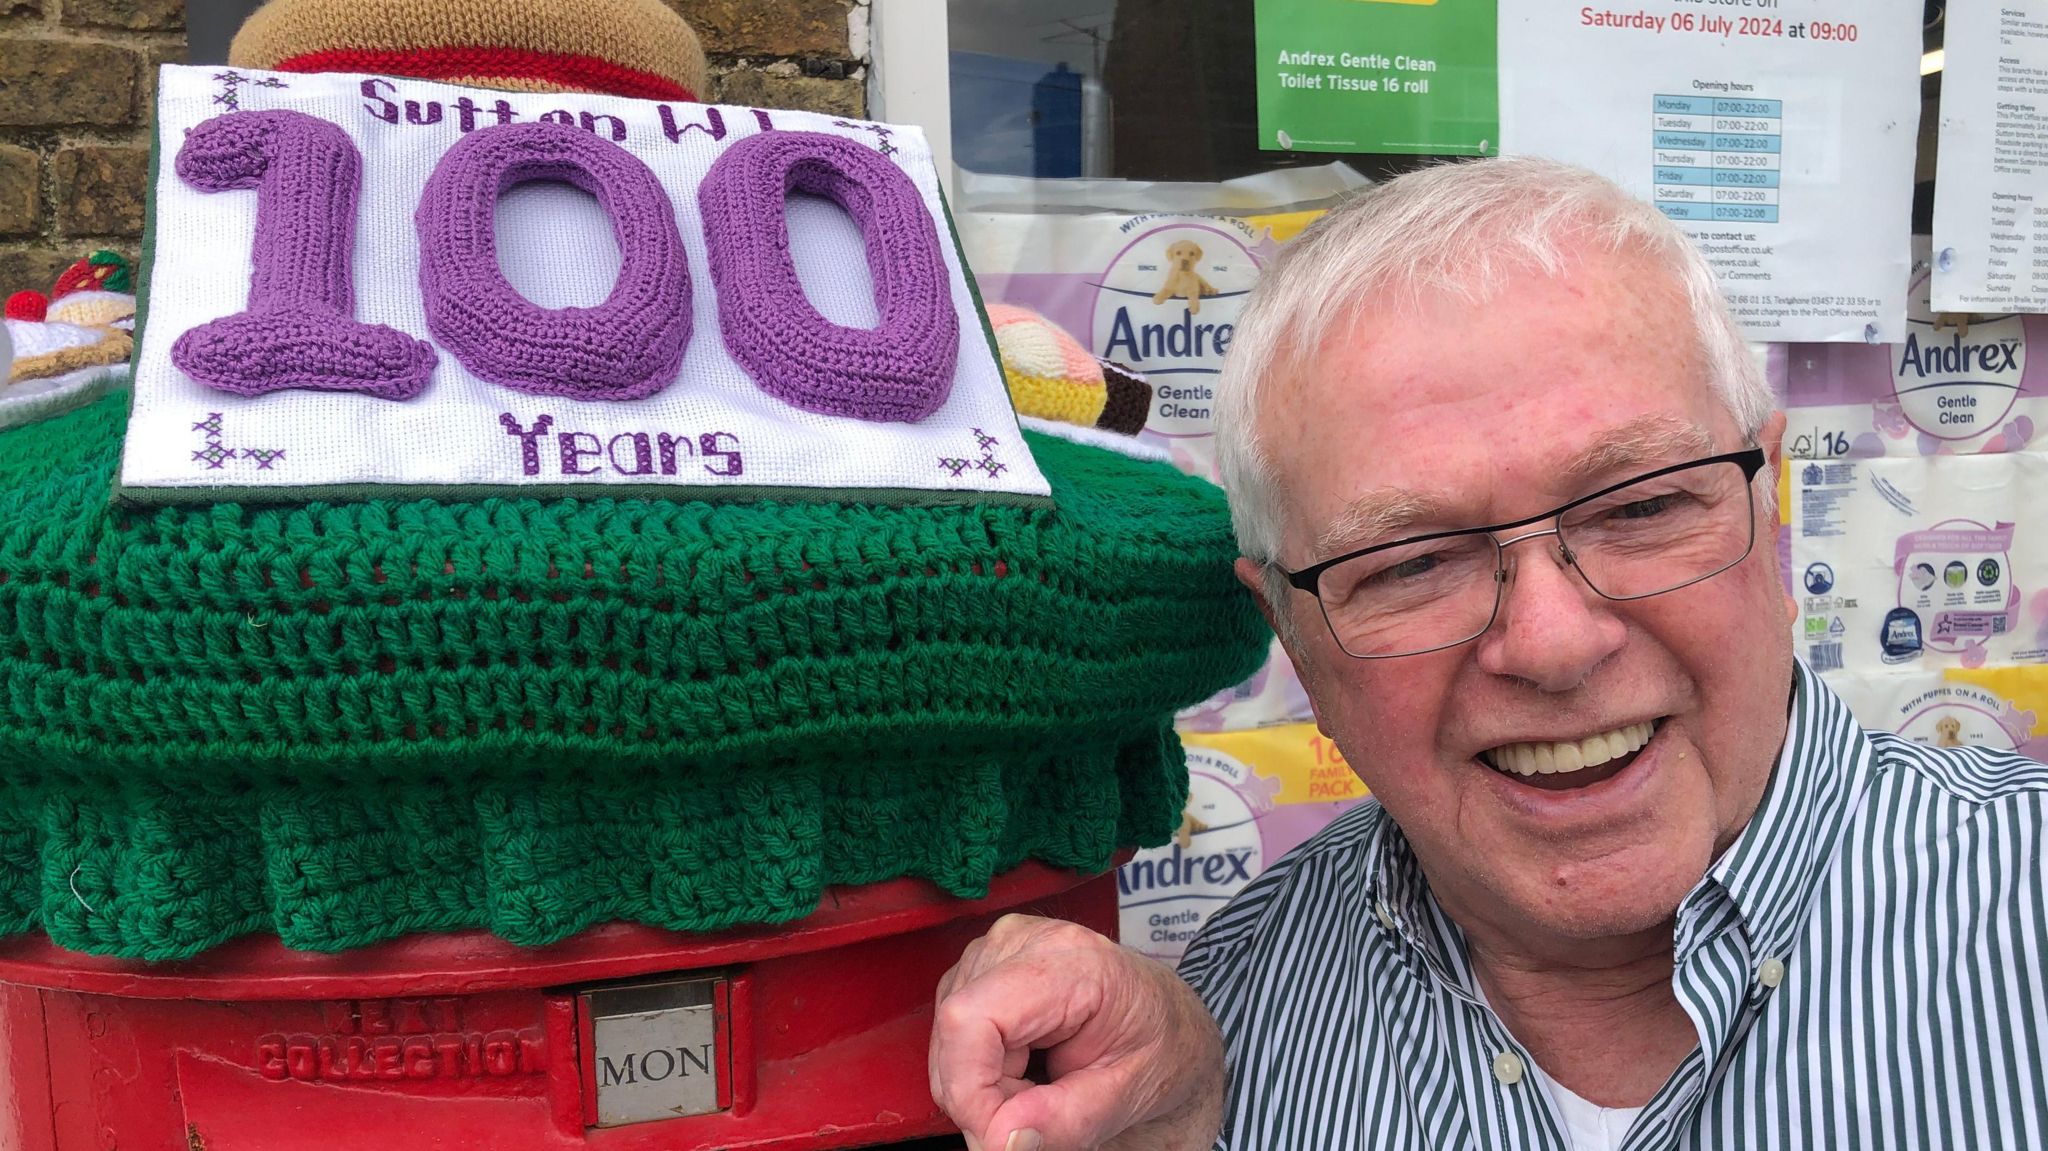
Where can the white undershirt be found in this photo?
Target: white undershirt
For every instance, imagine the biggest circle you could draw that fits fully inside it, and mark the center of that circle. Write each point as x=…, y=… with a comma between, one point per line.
x=1587, y=1125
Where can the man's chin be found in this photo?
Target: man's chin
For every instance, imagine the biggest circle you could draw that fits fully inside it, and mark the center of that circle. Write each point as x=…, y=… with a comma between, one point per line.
x=1589, y=925
x=1616, y=896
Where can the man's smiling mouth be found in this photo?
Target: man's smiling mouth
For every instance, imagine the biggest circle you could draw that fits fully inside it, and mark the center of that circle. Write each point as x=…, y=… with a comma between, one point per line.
x=1555, y=766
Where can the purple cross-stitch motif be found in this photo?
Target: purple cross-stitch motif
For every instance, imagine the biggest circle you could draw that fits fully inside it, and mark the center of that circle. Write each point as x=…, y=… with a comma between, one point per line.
x=987, y=463
x=881, y=131
x=215, y=455
x=231, y=82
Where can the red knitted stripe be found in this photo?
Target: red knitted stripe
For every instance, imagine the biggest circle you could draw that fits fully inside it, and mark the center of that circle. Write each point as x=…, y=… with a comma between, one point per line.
x=590, y=73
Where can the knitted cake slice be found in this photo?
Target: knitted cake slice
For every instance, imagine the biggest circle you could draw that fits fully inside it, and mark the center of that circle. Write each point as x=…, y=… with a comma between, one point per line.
x=341, y=723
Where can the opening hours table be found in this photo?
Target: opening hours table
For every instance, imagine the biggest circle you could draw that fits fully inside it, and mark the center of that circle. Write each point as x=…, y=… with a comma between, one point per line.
x=1718, y=157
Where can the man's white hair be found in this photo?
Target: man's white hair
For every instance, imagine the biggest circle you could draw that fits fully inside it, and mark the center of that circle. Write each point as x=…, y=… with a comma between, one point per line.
x=1458, y=229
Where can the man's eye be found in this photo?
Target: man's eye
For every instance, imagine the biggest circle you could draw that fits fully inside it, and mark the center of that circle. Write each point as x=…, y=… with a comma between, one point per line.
x=1645, y=509
x=1411, y=568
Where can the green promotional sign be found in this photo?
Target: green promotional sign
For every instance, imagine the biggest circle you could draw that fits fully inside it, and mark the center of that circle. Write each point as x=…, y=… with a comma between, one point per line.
x=1416, y=76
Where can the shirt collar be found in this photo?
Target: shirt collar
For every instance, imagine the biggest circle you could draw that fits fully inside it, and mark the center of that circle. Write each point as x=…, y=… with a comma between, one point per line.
x=1770, y=872
x=1775, y=865
x=1402, y=910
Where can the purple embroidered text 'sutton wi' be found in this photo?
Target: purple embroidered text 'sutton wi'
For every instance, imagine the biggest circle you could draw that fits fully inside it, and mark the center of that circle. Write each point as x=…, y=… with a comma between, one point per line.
x=628, y=347
x=901, y=369
x=299, y=330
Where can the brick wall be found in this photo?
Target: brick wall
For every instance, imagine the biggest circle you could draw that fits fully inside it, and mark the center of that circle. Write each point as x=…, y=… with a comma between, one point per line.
x=74, y=153
x=782, y=53
x=76, y=79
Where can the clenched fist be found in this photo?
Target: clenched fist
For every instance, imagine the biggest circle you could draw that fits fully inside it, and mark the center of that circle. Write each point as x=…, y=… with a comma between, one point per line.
x=1132, y=1060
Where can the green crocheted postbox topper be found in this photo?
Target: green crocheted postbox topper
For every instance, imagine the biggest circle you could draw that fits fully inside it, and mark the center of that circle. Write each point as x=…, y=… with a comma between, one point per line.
x=341, y=723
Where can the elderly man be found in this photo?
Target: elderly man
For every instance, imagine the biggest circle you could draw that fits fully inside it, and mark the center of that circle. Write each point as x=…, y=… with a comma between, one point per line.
x=1503, y=476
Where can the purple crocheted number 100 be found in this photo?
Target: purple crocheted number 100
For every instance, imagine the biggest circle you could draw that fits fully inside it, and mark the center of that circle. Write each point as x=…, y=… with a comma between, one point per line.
x=299, y=330
x=626, y=348
x=901, y=369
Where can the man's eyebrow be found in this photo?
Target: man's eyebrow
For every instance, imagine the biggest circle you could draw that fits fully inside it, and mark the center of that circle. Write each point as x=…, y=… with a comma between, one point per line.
x=1645, y=441
x=1641, y=442
x=1376, y=514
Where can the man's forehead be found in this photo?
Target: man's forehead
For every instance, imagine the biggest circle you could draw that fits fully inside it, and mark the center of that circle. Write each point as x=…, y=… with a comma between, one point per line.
x=1642, y=443
x=1641, y=291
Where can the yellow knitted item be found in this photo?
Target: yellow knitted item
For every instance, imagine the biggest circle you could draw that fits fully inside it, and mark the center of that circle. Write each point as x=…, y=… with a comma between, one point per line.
x=625, y=47
x=92, y=309
x=1051, y=375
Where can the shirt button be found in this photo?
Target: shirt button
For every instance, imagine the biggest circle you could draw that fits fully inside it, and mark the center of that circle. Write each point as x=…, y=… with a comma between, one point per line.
x=1386, y=917
x=1507, y=1067
x=1771, y=972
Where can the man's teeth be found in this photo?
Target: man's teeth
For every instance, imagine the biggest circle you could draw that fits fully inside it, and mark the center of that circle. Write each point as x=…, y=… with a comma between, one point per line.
x=1554, y=758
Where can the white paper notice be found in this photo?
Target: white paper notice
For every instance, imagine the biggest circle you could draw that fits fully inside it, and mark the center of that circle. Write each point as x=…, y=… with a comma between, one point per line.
x=1778, y=133
x=1991, y=173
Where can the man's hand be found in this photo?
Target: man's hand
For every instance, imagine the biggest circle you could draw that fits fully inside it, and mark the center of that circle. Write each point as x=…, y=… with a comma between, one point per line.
x=1132, y=1059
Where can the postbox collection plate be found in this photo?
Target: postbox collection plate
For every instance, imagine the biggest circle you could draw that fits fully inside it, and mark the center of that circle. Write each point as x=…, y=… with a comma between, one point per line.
x=655, y=1050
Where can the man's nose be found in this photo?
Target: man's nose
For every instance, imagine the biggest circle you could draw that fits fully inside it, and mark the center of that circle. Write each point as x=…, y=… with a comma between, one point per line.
x=1552, y=629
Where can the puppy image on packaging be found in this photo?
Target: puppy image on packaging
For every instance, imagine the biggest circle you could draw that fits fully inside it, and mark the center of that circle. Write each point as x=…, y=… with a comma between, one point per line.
x=1182, y=279
x=1948, y=732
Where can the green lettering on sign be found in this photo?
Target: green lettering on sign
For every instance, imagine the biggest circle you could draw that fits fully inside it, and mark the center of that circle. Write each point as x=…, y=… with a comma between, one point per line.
x=1410, y=76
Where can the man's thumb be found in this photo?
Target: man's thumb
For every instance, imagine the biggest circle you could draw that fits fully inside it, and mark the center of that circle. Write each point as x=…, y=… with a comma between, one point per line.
x=1080, y=1111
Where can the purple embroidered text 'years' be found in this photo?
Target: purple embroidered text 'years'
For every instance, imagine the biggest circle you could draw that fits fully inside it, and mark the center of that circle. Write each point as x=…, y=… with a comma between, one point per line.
x=627, y=348
x=299, y=330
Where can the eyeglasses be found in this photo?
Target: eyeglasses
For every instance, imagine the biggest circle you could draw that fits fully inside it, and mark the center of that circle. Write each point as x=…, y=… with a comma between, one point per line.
x=1658, y=532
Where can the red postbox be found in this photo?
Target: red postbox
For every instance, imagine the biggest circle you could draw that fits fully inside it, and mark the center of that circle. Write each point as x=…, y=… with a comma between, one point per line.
x=623, y=1038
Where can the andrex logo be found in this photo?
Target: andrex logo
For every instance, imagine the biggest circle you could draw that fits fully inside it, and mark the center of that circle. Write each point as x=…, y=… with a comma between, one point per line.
x=1231, y=865
x=1957, y=358
x=1959, y=383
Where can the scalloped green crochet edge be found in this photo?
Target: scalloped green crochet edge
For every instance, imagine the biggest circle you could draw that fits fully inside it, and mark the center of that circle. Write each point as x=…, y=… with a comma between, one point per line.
x=341, y=723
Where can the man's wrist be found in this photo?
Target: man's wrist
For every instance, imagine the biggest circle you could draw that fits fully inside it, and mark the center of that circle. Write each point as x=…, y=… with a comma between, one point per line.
x=1191, y=1121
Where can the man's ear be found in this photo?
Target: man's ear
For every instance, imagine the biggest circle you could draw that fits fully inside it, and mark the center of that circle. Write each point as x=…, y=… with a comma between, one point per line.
x=1252, y=575
x=1771, y=438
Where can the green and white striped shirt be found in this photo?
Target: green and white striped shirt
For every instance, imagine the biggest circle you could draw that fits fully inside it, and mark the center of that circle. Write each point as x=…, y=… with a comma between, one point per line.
x=1894, y=894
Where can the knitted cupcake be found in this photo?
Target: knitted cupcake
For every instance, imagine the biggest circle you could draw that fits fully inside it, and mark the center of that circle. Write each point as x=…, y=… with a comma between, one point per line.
x=96, y=292
x=1053, y=377
x=338, y=716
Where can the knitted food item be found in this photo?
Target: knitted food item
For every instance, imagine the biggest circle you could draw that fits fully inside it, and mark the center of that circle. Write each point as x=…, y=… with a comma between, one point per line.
x=340, y=723
x=1130, y=399
x=624, y=47
x=96, y=292
x=28, y=305
x=1051, y=375
x=94, y=309
x=102, y=271
x=44, y=350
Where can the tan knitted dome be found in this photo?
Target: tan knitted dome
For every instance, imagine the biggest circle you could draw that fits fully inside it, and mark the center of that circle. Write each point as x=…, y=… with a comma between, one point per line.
x=622, y=47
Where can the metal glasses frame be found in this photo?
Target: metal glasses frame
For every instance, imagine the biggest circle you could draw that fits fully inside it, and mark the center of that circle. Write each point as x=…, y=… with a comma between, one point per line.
x=1750, y=460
